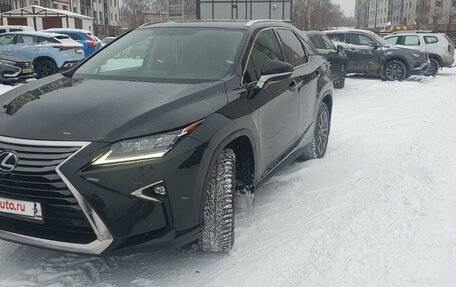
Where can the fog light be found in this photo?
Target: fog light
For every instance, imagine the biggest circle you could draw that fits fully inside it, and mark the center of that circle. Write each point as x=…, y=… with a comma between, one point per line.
x=160, y=189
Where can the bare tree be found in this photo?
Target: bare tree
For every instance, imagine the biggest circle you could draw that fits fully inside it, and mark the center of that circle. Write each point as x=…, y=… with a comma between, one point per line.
x=316, y=14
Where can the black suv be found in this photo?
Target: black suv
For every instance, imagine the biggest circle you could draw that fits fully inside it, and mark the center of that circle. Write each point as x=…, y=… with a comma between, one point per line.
x=156, y=149
x=370, y=54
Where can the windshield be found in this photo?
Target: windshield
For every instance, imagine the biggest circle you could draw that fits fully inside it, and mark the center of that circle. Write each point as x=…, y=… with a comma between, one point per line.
x=170, y=54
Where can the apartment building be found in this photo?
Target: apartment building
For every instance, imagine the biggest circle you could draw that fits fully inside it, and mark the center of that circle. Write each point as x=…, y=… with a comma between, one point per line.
x=435, y=14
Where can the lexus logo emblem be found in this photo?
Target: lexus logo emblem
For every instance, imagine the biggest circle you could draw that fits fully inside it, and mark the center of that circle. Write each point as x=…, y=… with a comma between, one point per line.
x=8, y=161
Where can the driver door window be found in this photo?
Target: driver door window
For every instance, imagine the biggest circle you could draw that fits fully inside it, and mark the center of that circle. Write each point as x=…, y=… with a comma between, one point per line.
x=361, y=40
x=6, y=39
x=266, y=48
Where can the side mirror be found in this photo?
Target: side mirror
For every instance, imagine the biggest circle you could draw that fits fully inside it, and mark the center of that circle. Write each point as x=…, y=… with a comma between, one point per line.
x=374, y=45
x=274, y=70
x=339, y=48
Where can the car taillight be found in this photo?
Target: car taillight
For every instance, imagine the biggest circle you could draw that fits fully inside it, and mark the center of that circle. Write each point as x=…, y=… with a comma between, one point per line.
x=92, y=43
x=450, y=48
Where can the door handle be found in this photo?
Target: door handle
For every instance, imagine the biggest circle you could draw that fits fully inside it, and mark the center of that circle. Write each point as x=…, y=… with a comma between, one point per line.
x=316, y=74
x=293, y=85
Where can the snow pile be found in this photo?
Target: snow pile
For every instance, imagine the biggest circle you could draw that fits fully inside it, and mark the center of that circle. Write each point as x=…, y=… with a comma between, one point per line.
x=379, y=210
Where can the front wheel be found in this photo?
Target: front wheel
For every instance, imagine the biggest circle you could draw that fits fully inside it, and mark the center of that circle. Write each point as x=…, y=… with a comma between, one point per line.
x=44, y=68
x=218, y=209
x=394, y=71
x=317, y=148
x=433, y=68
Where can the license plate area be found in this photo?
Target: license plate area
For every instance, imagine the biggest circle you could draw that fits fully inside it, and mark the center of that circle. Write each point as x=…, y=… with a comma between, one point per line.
x=27, y=70
x=19, y=209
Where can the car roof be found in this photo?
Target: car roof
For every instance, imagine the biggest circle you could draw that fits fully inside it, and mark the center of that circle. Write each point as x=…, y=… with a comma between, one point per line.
x=313, y=32
x=235, y=24
x=42, y=34
x=346, y=31
x=69, y=30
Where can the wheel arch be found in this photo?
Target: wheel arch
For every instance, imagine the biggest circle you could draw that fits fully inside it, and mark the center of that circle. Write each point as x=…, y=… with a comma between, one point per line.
x=40, y=58
x=436, y=57
x=398, y=58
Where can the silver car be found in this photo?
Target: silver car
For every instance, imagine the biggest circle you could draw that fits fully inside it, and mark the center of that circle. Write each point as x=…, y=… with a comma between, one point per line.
x=49, y=52
x=438, y=45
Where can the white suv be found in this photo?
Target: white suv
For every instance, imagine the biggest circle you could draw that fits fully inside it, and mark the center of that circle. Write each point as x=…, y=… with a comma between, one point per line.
x=438, y=45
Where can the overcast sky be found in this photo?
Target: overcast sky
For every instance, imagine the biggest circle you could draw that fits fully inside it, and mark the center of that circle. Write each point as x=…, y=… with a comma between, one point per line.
x=348, y=6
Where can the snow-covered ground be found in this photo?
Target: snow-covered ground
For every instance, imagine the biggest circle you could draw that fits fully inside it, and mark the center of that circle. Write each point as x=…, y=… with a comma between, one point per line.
x=378, y=210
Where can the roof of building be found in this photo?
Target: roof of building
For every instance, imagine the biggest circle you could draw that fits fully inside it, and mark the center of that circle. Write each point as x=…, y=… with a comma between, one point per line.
x=38, y=11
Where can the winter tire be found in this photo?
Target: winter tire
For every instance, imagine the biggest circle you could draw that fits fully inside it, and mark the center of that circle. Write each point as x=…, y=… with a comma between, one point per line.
x=433, y=68
x=44, y=68
x=394, y=71
x=218, y=209
x=317, y=148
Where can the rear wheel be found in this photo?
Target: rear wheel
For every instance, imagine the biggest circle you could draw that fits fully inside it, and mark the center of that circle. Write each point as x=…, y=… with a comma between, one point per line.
x=44, y=68
x=394, y=71
x=317, y=148
x=433, y=68
x=218, y=209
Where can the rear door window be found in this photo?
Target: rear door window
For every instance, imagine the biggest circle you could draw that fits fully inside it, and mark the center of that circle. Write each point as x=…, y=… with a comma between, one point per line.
x=266, y=48
x=292, y=47
x=411, y=41
x=26, y=40
x=430, y=39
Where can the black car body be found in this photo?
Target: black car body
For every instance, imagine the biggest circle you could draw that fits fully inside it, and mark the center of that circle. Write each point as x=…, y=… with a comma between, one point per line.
x=115, y=157
x=370, y=54
x=335, y=55
x=14, y=68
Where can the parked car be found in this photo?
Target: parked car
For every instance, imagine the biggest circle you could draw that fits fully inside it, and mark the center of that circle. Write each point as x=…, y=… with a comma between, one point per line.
x=438, y=45
x=49, y=52
x=14, y=68
x=12, y=28
x=85, y=37
x=335, y=55
x=155, y=151
x=370, y=54
x=107, y=40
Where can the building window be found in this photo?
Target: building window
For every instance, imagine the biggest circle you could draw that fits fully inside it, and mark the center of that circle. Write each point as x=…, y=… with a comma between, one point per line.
x=64, y=7
x=75, y=9
x=55, y=6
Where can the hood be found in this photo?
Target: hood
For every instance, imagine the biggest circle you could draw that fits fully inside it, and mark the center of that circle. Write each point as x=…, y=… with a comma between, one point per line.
x=61, y=108
x=13, y=58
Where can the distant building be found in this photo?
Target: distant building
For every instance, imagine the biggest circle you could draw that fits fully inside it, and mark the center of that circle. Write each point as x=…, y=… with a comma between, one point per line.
x=105, y=13
x=415, y=14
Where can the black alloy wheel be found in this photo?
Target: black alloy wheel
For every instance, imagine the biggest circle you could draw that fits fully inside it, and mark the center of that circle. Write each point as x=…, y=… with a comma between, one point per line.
x=395, y=71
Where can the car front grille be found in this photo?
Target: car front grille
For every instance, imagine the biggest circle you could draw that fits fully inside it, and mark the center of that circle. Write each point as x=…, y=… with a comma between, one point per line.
x=24, y=64
x=35, y=180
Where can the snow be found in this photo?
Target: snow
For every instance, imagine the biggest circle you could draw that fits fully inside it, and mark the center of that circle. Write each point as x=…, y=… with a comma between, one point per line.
x=378, y=210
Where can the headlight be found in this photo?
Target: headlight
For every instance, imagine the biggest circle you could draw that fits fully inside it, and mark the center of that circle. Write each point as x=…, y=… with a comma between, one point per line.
x=143, y=148
x=6, y=62
x=416, y=55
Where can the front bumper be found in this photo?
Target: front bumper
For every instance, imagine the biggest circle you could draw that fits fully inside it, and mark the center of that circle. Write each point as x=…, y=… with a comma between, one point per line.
x=420, y=68
x=107, y=198
x=22, y=71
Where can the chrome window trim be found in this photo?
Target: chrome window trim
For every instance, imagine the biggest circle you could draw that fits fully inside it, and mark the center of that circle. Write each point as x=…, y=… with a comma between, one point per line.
x=104, y=237
x=243, y=83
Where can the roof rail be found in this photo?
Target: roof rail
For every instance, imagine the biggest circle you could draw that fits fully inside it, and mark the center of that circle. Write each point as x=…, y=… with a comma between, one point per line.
x=413, y=31
x=252, y=22
x=153, y=23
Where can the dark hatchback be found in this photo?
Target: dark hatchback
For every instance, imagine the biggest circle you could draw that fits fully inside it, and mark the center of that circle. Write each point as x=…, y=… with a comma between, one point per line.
x=14, y=69
x=335, y=55
x=122, y=151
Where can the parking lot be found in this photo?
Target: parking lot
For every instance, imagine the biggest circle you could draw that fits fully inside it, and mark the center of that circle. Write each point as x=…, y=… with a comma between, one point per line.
x=378, y=210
